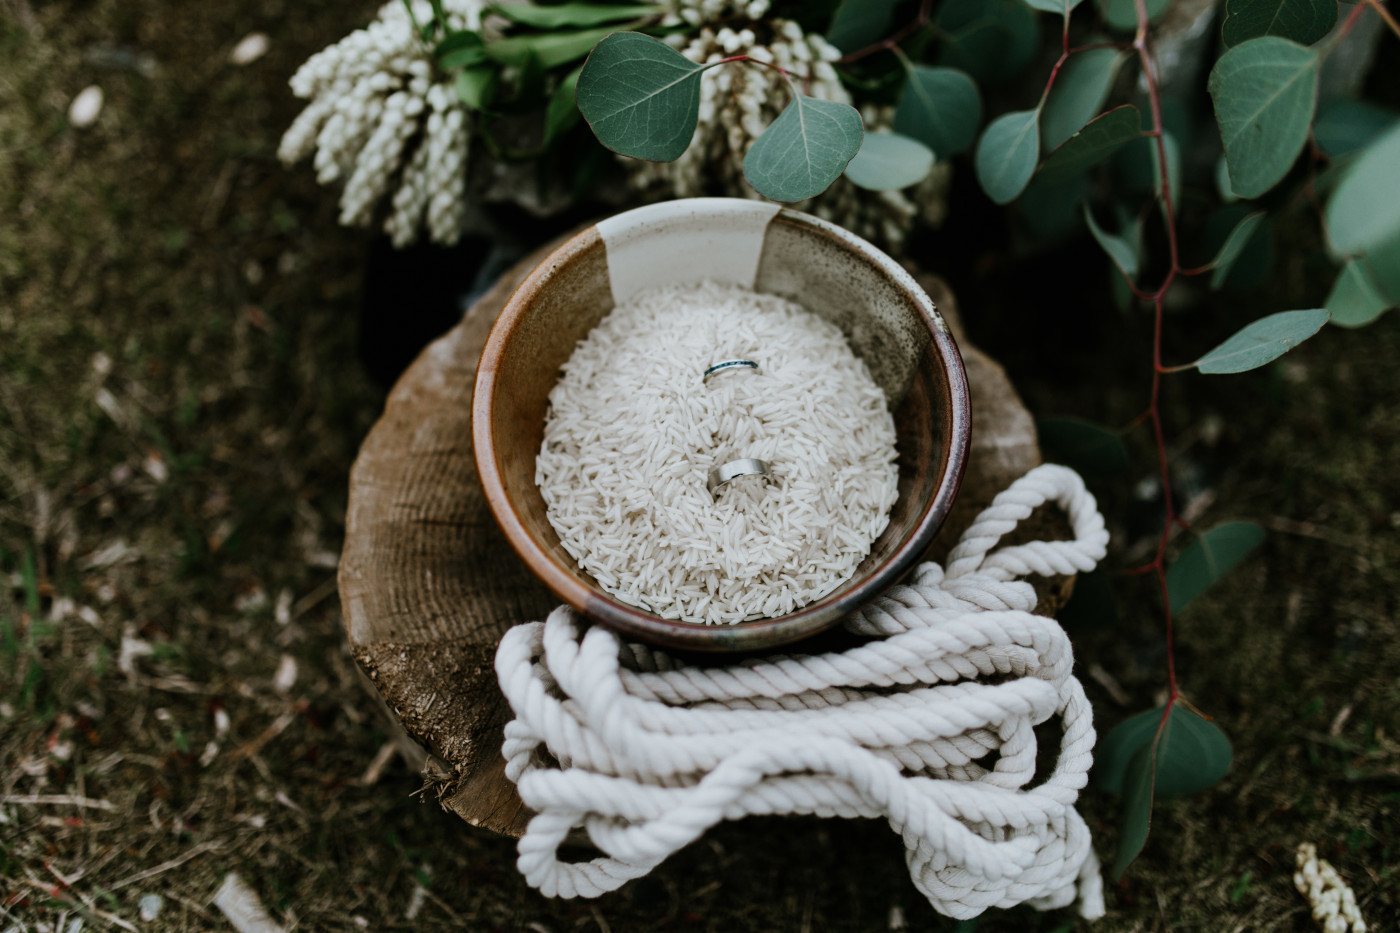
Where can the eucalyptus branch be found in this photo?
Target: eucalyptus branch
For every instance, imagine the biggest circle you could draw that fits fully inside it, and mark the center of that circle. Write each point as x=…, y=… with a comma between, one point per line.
x=1384, y=14
x=894, y=39
x=1158, y=564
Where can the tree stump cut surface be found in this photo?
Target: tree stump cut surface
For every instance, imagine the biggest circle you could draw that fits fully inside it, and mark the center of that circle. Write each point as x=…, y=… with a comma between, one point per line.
x=428, y=583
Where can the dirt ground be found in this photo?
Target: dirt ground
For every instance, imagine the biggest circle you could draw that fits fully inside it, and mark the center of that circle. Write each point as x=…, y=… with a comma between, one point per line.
x=180, y=403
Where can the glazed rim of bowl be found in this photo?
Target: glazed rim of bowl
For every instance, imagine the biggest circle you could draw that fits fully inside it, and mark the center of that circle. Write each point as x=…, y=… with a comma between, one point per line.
x=737, y=229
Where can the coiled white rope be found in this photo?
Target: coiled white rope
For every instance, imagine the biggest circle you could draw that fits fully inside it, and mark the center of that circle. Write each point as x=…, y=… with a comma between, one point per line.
x=646, y=753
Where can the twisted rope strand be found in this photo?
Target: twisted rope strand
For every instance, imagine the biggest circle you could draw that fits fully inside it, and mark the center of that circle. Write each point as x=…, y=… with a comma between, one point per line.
x=652, y=752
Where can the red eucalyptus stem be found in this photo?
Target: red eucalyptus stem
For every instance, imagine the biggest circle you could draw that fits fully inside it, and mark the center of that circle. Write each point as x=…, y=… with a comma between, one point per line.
x=1383, y=13
x=1059, y=62
x=1154, y=409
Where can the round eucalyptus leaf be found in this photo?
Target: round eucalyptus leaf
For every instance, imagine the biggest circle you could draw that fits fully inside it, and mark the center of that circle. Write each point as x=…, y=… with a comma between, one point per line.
x=1303, y=21
x=1122, y=14
x=1355, y=301
x=1213, y=554
x=1098, y=140
x=889, y=161
x=992, y=40
x=858, y=23
x=1265, y=91
x=805, y=150
x=1122, y=251
x=1344, y=126
x=640, y=96
x=1152, y=754
x=1261, y=342
x=1364, y=212
x=941, y=108
x=1079, y=92
x=1005, y=158
x=1192, y=753
x=1233, y=247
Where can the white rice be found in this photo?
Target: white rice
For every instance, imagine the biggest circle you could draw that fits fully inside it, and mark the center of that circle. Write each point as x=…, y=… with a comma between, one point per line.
x=633, y=430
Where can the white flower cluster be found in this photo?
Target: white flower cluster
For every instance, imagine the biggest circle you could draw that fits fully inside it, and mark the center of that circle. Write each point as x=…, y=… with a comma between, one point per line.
x=380, y=114
x=696, y=12
x=1331, y=899
x=739, y=101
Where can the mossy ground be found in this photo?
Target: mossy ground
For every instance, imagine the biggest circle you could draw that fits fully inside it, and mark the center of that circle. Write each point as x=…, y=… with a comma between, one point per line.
x=179, y=407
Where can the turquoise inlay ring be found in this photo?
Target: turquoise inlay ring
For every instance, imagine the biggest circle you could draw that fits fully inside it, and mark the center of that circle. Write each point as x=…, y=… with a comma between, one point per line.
x=728, y=365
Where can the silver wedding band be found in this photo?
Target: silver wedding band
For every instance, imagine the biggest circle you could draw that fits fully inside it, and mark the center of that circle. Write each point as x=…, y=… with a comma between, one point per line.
x=748, y=466
x=725, y=365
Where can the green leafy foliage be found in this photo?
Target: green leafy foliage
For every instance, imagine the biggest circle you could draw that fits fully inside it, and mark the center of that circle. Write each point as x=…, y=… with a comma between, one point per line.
x=1099, y=139
x=476, y=85
x=1355, y=300
x=1136, y=821
x=1222, y=182
x=1303, y=21
x=459, y=50
x=1006, y=154
x=1234, y=246
x=1136, y=166
x=1122, y=251
x=805, y=149
x=1063, y=7
x=888, y=161
x=1122, y=14
x=941, y=108
x=1172, y=177
x=1156, y=753
x=1344, y=126
x=1078, y=94
x=1383, y=267
x=548, y=50
x=1210, y=557
x=1088, y=448
x=640, y=96
x=572, y=14
x=1251, y=267
x=1193, y=753
x=1052, y=212
x=1364, y=212
x=858, y=23
x=1265, y=91
x=562, y=113
x=1262, y=341
x=992, y=40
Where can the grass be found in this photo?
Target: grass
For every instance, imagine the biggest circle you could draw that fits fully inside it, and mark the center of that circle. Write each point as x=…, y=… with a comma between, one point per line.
x=179, y=407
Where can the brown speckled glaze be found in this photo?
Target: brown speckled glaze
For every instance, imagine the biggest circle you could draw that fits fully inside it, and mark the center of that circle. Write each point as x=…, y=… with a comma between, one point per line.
x=890, y=323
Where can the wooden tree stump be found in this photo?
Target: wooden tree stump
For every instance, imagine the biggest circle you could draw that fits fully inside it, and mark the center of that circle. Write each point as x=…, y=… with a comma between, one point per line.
x=428, y=583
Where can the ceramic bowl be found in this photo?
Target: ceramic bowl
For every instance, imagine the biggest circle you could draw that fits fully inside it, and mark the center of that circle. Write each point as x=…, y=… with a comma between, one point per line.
x=889, y=321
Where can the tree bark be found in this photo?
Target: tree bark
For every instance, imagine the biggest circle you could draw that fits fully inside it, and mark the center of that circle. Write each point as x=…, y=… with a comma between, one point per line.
x=428, y=583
